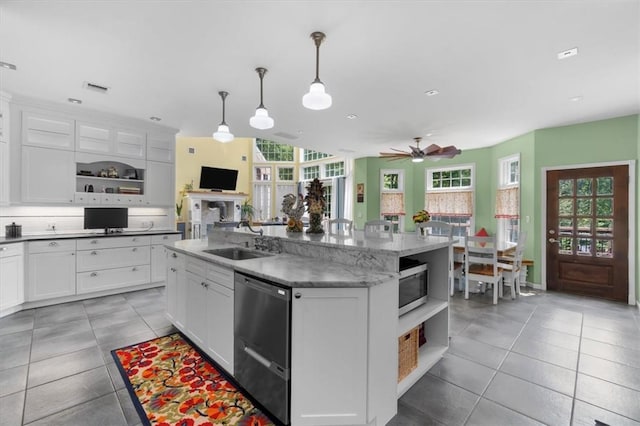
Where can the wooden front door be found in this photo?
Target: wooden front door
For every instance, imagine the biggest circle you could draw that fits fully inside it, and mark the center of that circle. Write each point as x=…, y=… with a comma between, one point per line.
x=588, y=231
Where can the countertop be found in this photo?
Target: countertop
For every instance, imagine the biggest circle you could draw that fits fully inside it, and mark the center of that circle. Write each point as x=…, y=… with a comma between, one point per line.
x=58, y=236
x=287, y=269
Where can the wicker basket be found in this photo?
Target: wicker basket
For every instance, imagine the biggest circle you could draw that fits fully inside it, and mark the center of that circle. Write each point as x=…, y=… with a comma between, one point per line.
x=407, y=353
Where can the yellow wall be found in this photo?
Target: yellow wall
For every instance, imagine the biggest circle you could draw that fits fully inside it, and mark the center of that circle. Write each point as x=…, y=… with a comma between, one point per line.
x=209, y=152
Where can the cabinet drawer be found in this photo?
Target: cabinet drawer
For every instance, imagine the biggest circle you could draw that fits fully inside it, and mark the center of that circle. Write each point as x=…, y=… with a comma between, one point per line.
x=51, y=246
x=13, y=249
x=164, y=239
x=112, y=242
x=220, y=275
x=91, y=260
x=197, y=266
x=88, y=282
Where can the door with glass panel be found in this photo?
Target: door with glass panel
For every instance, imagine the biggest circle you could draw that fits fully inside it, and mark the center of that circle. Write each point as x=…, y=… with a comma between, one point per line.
x=587, y=231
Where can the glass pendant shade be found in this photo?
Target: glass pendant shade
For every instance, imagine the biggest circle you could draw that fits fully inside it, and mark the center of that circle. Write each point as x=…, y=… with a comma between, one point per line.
x=261, y=120
x=417, y=159
x=317, y=98
x=223, y=134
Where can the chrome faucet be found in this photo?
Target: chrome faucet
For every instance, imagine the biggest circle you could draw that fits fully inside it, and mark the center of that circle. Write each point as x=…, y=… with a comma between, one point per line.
x=248, y=225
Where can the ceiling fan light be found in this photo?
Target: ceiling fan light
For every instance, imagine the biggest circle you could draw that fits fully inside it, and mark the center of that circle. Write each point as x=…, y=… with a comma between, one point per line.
x=223, y=135
x=261, y=120
x=417, y=159
x=317, y=98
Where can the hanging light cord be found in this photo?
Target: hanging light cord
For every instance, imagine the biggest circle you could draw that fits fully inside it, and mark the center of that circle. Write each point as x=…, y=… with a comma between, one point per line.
x=317, y=38
x=223, y=95
x=261, y=72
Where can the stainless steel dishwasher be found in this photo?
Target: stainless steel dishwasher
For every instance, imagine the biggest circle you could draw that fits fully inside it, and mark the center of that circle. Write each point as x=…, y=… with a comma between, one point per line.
x=262, y=348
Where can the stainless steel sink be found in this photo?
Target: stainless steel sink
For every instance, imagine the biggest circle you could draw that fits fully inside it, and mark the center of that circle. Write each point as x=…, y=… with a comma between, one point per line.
x=236, y=253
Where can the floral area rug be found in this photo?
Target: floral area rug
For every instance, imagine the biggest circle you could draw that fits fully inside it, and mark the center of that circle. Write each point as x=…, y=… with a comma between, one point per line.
x=171, y=384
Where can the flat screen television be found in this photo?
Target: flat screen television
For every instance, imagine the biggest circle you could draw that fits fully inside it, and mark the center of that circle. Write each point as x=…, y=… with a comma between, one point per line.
x=106, y=218
x=217, y=179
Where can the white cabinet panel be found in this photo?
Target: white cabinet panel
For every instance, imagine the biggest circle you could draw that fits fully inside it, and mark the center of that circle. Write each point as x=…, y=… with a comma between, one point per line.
x=219, y=338
x=49, y=131
x=11, y=275
x=196, y=326
x=161, y=147
x=4, y=119
x=92, y=260
x=322, y=358
x=47, y=175
x=4, y=173
x=111, y=242
x=51, y=275
x=160, y=184
x=107, y=279
x=176, y=289
x=158, y=263
x=131, y=144
x=94, y=138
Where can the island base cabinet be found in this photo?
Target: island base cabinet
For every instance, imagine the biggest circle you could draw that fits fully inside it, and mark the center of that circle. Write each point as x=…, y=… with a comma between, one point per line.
x=196, y=318
x=220, y=325
x=176, y=290
x=329, y=368
x=11, y=277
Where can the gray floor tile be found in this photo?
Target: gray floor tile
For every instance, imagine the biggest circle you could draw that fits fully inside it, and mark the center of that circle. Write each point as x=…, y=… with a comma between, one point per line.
x=112, y=319
x=547, y=336
x=533, y=401
x=611, y=352
x=53, y=397
x=60, y=330
x=489, y=336
x=129, y=410
x=156, y=320
x=625, y=340
x=13, y=380
x=541, y=373
x=58, y=314
x=14, y=357
x=605, y=323
x=440, y=400
x=116, y=377
x=109, y=334
x=609, y=396
x=464, y=373
x=161, y=332
x=548, y=353
x=409, y=416
x=489, y=413
x=11, y=409
x=15, y=340
x=47, y=348
x=479, y=352
x=573, y=328
x=610, y=371
x=102, y=411
x=55, y=368
x=21, y=321
x=586, y=414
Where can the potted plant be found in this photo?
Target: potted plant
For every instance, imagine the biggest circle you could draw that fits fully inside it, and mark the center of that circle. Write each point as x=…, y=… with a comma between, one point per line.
x=247, y=210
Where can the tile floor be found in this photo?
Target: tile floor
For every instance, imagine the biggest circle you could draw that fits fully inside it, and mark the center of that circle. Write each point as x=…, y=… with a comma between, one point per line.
x=545, y=358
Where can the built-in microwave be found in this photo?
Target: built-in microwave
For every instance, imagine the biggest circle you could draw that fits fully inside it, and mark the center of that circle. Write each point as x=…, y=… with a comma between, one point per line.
x=413, y=286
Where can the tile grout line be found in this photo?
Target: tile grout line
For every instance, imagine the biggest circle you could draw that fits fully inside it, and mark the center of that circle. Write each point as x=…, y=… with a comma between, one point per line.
x=575, y=381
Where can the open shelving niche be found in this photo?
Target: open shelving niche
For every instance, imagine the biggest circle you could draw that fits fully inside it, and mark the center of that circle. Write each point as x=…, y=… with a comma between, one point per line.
x=434, y=314
x=101, y=185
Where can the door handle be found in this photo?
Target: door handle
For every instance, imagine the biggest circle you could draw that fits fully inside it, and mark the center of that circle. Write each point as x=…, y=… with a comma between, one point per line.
x=553, y=240
x=255, y=355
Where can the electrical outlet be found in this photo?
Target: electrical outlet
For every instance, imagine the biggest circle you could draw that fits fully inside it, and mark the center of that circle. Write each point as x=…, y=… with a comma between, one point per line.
x=51, y=226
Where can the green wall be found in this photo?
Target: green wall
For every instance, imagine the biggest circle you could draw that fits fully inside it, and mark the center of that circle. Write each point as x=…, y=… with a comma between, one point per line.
x=616, y=139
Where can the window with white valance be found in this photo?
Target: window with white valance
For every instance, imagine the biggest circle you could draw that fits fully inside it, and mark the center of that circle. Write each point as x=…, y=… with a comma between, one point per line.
x=507, y=205
x=454, y=203
x=449, y=196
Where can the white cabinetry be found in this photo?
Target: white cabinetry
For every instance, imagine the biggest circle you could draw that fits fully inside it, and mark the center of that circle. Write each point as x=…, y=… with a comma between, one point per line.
x=11, y=276
x=47, y=130
x=160, y=184
x=47, y=175
x=51, y=270
x=131, y=143
x=159, y=256
x=176, y=289
x=323, y=359
x=4, y=149
x=196, y=324
x=98, y=138
x=114, y=262
x=161, y=147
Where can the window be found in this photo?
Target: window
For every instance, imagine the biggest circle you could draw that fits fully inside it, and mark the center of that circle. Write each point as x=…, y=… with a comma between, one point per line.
x=508, y=199
x=310, y=155
x=311, y=172
x=263, y=174
x=285, y=174
x=328, y=195
x=392, y=197
x=272, y=151
x=334, y=169
x=261, y=201
x=449, y=197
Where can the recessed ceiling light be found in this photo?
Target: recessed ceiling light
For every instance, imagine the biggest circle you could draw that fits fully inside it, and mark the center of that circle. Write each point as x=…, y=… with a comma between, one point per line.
x=352, y=116
x=8, y=66
x=429, y=134
x=154, y=118
x=576, y=99
x=568, y=53
x=431, y=92
x=75, y=101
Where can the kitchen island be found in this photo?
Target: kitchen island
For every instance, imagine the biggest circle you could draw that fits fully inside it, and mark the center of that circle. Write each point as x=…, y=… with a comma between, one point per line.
x=344, y=313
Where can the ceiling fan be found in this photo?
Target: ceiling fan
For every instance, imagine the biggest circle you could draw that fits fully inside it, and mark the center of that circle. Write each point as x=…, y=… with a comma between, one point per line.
x=433, y=152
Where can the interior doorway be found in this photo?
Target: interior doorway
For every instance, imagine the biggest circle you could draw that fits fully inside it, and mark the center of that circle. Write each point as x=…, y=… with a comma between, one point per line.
x=587, y=231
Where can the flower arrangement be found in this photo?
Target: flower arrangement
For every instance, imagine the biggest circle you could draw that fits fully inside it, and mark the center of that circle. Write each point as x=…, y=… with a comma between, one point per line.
x=421, y=216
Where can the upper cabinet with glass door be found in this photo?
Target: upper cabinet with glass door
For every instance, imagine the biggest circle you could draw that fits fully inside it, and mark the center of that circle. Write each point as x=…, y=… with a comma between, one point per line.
x=98, y=138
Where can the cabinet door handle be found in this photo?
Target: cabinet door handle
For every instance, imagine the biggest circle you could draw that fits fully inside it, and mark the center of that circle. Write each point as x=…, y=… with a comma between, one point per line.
x=174, y=255
x=94, y=274
x=134, y=269
x=3, y=249
x=53, y=244
x=94, y=241
x=94, y=253
x=297, y=295
x=173, y=269
x=135, y=249
x=165, y=237
x=134, y=240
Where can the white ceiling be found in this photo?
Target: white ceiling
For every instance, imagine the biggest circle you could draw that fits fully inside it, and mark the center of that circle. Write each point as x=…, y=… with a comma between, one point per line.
x=494, y=63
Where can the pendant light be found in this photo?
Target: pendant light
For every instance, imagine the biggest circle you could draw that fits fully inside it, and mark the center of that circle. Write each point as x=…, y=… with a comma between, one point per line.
x=317, y=98
x=223, y=134
x=261, y=120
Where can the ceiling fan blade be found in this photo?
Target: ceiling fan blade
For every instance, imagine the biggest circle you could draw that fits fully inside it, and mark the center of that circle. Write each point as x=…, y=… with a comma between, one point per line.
x=434, y=151
x=394, y=154
x=399, y=150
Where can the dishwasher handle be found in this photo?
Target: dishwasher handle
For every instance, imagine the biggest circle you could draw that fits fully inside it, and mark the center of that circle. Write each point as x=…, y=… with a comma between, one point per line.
x=264, y=287
x=255, y=355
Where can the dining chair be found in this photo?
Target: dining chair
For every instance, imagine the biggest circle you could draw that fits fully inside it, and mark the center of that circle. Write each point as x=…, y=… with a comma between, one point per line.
x=438, y=228
x=512, y=266
x=378, y=229
x=340, y=226
x=481, y=264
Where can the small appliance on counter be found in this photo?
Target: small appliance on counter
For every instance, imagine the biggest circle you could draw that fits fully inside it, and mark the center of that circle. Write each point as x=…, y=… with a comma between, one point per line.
x=13, y=230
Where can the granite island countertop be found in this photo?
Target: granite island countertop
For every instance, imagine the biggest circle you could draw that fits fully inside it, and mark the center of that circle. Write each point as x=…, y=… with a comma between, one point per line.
x=72, y=235
x=288, y=269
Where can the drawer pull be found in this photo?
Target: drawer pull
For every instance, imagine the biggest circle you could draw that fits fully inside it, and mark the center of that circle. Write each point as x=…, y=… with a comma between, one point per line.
x=174, y=255
x=94, y=241
x=94, y=253
x=94, y=274
x=3, y=249
x=173, y=269
x=135, y=249
x=134, y=240
x=165, y=237
x=134, y=269
x=53, y=244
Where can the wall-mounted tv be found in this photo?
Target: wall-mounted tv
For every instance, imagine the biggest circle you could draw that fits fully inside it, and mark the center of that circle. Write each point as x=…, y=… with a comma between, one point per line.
x=106, y=218
x=217, y=179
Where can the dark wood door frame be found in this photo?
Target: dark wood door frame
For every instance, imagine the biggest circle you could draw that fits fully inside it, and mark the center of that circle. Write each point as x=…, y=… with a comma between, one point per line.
x=633, y=221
